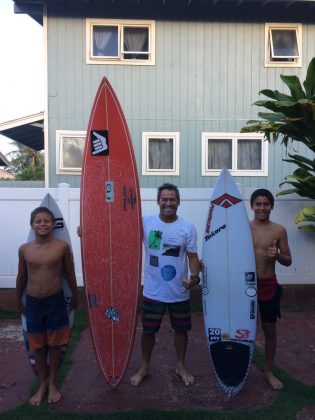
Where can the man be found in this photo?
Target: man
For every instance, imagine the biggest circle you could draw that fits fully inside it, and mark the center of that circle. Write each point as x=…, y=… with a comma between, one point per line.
x=40, y=266
x=271, y=246
x=169, y=241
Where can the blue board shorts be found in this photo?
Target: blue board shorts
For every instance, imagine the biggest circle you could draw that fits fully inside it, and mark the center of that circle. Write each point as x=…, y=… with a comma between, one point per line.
x=153, y=312
x=47, y=321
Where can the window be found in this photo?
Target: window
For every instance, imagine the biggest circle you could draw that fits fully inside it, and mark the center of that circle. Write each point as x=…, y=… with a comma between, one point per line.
x=242, y=154
x=120, y=42
x=160, y=153
x=283, y=45
x=70, y=145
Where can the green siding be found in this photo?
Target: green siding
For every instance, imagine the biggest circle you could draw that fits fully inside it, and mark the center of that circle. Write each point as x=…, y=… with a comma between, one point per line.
x=206, y=77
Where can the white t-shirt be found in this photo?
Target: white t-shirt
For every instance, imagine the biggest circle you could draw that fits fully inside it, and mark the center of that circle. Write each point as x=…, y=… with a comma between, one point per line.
x=165, y=257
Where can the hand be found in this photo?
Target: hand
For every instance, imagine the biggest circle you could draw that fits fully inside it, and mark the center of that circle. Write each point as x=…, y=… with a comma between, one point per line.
x=272, y=250
x=188, y=284
x=79, y=231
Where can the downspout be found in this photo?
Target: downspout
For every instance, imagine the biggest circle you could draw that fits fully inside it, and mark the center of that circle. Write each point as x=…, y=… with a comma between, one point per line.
x=45, y=58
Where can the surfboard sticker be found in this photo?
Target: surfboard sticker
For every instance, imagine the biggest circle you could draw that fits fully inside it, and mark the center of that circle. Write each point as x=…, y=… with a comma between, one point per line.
x=60, y=232
x=229, y=289
x=111, y=244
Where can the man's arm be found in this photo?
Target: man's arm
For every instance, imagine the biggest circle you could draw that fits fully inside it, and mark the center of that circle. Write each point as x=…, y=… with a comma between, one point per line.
x=69, y=266
x=195, y=268
x=21, y=281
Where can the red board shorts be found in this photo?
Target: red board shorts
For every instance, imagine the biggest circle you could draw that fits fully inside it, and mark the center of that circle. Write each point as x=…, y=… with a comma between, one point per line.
x=153, y=311
x=47, y=321
x=270, y=309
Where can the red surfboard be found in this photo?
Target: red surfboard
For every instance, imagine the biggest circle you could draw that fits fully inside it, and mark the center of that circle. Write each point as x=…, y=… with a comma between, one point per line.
x=111, y=242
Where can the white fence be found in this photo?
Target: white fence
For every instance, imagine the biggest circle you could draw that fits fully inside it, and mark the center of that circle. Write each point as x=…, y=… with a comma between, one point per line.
x=16, y=205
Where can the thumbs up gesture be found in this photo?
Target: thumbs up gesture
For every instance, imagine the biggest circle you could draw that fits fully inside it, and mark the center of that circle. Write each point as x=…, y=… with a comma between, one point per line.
x=272, y=250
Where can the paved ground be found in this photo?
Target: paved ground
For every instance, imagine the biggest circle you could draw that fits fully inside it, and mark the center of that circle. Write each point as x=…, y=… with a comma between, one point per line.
x=84, y=390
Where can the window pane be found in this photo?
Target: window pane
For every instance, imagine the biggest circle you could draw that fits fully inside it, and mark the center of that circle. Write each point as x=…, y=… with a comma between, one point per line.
x=72, y=152
x=219, y=153
x=105, y=41
x=136, y=43
x=284, y=43
x=249, y=154
x=161, y=153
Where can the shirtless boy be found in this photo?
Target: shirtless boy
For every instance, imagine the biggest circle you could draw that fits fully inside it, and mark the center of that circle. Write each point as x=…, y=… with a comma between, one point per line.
x=41, y=262
x=271, y=246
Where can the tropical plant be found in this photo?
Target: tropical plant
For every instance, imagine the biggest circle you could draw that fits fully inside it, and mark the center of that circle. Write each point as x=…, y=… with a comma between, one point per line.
x=26, y=163
x=292, y=119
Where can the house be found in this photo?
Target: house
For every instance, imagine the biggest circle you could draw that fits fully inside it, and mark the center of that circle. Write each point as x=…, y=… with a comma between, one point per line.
x=3, y=160
x=5, y=174
x=186, y=73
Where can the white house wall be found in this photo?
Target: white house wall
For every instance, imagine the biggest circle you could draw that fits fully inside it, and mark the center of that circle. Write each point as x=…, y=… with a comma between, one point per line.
x=17, y=204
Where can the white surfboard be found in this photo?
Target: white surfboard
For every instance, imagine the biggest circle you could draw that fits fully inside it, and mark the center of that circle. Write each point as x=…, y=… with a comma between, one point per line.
x=229, y=285
x=60, y=232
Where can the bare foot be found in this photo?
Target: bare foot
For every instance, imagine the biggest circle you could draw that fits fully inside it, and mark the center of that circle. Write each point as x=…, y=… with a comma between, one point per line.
x=142, y=373
x=273, y=381
x=187, y=378
x=53, y=395
x=39, y=396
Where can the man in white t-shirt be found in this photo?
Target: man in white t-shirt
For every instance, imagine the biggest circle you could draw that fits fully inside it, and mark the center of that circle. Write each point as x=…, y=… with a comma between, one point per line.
x=170, y=246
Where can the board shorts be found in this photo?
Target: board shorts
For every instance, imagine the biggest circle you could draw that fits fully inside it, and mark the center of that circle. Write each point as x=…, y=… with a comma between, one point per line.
x=153, y=312
x=47, y=321
x=270, y=309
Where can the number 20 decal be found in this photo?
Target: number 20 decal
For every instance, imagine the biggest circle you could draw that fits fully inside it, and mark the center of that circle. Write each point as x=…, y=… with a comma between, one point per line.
x=214, y=331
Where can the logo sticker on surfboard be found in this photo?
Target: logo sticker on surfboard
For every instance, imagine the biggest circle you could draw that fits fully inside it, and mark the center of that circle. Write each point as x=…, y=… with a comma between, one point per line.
x=129, y=198
x=112, y=314
x=93, y=302
x=99, y=142
x=252, y=310
x=214, y=334
x=59, y=224
x=251, y=291
x=109, y=191
x=226, y=200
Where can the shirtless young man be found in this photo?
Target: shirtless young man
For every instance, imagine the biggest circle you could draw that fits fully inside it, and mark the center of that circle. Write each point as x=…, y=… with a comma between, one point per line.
x=271, y=246
x=41, y=262
x=170, y=242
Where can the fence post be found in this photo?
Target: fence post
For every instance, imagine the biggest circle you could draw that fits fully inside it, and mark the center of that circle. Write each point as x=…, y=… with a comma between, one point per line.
x=63, y=200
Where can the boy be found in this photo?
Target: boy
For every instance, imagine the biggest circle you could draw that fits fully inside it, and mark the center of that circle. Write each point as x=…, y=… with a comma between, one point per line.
x=41, y=262
x=271, y=246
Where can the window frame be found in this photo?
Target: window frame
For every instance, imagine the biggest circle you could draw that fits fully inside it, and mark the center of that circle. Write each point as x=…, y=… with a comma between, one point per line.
x=121, y=24
x=205, y=171
x=297, y=60
x=146, y=136
x=60, y=136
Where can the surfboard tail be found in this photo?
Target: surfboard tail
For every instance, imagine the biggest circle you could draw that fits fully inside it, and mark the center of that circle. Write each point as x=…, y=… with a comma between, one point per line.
x=231, y=361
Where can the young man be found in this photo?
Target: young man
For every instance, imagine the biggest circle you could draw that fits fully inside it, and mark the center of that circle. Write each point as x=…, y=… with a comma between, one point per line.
x=169, y=241
x=271, y=246
x=41, y=262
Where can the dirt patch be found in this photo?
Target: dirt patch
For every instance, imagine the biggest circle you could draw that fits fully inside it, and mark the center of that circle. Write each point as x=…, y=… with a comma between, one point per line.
x=85, y=391
x=16, y=375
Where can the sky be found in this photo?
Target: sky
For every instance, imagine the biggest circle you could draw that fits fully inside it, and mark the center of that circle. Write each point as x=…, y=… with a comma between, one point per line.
x=21, y=67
